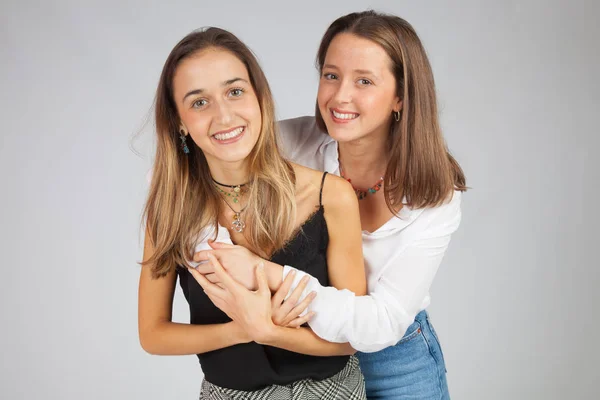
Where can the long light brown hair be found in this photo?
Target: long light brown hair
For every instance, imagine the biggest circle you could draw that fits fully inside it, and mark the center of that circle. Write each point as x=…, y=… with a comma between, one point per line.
x=420, y=167
x=183, y=202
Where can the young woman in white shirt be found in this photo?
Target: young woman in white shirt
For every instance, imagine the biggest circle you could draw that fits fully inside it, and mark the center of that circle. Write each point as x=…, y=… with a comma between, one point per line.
x=377, y=126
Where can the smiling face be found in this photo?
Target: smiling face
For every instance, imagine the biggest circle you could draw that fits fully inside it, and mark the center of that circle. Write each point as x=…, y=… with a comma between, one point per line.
x=357, y=90
x=217, y=105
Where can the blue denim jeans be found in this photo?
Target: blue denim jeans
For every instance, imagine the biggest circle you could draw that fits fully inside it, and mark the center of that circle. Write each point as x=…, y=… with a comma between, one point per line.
x=412, y=369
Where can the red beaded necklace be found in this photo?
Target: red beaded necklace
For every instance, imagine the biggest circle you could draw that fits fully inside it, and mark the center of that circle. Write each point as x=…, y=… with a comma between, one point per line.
x=361, y=194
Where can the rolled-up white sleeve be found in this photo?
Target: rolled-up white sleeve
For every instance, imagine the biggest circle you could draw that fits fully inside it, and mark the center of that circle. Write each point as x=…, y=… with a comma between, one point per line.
x=380, y=319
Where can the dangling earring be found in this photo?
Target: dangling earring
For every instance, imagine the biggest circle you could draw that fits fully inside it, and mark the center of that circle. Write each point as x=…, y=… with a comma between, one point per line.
x=396, y=116
x=186, y=150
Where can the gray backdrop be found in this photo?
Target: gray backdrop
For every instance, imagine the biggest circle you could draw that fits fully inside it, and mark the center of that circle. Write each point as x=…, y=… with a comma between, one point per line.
x=515, y=299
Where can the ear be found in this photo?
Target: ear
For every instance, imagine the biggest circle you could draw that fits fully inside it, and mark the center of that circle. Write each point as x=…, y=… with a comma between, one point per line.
x=183, y=130
x=397, y=105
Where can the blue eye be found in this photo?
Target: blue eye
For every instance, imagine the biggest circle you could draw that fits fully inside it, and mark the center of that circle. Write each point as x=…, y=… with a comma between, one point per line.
x=237, y=92
x=199, y=103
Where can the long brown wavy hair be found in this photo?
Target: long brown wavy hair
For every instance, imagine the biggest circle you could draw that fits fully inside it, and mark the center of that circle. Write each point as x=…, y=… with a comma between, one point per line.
x=420, y=167
x=183, y=202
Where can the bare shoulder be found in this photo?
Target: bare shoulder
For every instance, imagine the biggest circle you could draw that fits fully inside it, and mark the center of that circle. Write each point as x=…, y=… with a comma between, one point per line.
x=338, y=194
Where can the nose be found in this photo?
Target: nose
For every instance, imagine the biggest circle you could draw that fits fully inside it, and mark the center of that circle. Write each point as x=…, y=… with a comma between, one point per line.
x=224, y=113
x=344, y=92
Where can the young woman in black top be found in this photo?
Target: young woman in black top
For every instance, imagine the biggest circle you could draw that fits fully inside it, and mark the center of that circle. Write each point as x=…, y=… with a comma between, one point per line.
x=218, y=170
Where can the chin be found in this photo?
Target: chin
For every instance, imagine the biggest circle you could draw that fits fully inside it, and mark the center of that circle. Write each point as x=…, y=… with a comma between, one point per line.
x=343, y=135
x=235, y=157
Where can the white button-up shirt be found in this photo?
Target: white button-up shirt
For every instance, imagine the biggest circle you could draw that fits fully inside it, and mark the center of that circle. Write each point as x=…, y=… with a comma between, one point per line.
x=401, y=258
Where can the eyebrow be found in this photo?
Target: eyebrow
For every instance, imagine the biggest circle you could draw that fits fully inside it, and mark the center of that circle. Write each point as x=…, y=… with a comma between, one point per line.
x=226, y=83
x=365, y=71
x=360, y=71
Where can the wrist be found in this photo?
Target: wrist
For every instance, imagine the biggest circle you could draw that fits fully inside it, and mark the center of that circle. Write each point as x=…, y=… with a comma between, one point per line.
x=238, y=334
x=267, y=335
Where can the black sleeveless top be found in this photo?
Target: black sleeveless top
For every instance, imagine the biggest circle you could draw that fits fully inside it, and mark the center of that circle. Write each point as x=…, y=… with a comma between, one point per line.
x=251, y=366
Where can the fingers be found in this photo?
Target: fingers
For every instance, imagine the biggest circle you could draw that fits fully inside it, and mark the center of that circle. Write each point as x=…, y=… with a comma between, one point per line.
x=209, y=287
x=284, y=289
x=299, y=309
x=212, y=278
x=283, y=310
x=220, y=245
x=223, y=276
x=205, y=268
x=295, y=296
x=202, y=255
x=296, y=323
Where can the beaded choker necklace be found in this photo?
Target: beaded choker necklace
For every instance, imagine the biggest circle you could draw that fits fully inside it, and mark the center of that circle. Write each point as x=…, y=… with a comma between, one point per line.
x=234, y=192
x=361, y=194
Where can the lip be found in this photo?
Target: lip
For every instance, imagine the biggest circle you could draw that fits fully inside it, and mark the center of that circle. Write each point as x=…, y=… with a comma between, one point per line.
x=339, y=120
x=231, y=129
x=232, y=140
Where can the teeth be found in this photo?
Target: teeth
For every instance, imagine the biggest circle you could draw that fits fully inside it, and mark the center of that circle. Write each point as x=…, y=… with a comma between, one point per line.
x=229, y=135
x=344, y=116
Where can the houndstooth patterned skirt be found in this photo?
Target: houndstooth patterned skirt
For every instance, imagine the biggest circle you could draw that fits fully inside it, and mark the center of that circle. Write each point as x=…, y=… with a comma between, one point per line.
x=348, y=384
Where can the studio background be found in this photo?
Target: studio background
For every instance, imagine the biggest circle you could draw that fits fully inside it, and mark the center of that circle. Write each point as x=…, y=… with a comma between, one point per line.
x=515, y=300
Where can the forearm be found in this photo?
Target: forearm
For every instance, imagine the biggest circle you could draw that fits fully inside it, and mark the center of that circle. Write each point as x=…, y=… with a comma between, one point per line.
x=368, y=323
x=274, y=275
x=170, y=338
x=371, y=323
x=304, y=341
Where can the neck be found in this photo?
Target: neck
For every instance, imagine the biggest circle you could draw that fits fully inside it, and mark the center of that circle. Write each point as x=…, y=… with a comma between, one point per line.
x=366, y=158
x=230, y=173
